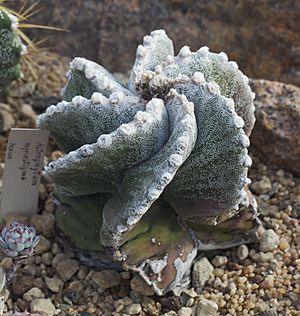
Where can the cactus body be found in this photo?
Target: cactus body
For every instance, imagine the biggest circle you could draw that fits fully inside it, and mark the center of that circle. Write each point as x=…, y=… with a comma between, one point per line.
x=155, y=171
x=11, y=50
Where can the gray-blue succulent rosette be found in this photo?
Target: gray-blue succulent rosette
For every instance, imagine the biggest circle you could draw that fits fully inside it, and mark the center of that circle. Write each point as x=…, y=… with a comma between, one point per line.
x=155, y=171
x=18, y=240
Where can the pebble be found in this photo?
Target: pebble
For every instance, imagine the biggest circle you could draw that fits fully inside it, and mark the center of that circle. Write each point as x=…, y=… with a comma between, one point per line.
x=139, y=285
x=262, y=187
x=219, y=261
x=283, y=244
x=43, y=305
x=43, y=245
x=270, y=312
x=242, y=252
x=67, y=268
x=170, y=313
x=107, y=278
x=32, y=294
x=206, y=308
x=133, y=309
x=202, y=270
x=267, y=283
x=190, y=292
x=269, y=241
x=47, y=258
x=185, y=311
x=54, y=284
x=44, y=224
x=58, y=258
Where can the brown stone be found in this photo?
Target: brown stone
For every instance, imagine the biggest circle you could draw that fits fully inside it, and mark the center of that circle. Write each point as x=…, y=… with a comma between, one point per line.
x=262, y=36
x=276, y=134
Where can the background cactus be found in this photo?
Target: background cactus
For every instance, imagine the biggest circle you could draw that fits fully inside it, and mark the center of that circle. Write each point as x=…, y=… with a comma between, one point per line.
x=11, y=50
x=156, y=171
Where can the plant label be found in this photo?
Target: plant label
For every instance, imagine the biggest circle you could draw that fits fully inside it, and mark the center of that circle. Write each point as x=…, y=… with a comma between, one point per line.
x=24, y=161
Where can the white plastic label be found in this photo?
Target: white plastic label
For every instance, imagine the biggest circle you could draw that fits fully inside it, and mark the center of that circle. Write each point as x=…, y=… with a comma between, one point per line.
x=22, y=172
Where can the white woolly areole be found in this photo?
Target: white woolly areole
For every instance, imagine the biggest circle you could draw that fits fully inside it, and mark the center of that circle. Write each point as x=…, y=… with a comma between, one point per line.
x=142, y=117
x=62, y=105
x=198, y=78
x=203, y=51
x=214, y=88
x=188, y=107
x=131, y=220
x=158, y=32
x=165, y=179
x=155, y=106
x=246, y=79
x=78, y=100
x=223, y=56
x=239, y=122
x=78, y=63
x=98, y=98
x=51, y=110
x=247, y=161
x=116, y=97
x=126, y=129
x=233, y=64
x=24, y=50
x=158, y=69
x=86, y=150
x=141, y=51
x=147, y=40
x=170, y=59
x=105, y=140
x=245, y=141
x=229, y=103
x=184, y=52
x=187, y=123
x=153, y=193
x=14, y=21
x=175, y=160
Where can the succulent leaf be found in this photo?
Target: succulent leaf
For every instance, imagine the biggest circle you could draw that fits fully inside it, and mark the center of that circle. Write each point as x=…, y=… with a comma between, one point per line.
x=84, y=214
x=86, y=77
x=211, y=180
x=159, y=248
x=101, y=165
x=144, y=183
x=81, y=121
x=155, y=50
x=216, y=68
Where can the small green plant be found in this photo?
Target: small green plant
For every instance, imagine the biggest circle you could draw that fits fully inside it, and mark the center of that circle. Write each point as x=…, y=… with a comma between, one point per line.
x=13, y=50
x=157, y=170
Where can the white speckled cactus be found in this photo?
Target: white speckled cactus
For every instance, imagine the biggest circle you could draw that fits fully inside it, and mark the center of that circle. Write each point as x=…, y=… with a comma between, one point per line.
x=156, y=171
x=11, y=50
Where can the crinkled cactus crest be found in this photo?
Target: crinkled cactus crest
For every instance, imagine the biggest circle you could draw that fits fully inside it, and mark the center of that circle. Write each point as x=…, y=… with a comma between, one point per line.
x=11, y=50
x=18, y=240
x=157, y=170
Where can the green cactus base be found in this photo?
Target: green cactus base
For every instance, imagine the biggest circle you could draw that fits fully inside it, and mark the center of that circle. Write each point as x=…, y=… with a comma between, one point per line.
x=80, y=219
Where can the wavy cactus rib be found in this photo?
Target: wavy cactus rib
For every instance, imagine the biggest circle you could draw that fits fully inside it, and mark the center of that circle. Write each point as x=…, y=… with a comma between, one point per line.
x=11, y=50
x=161, y=166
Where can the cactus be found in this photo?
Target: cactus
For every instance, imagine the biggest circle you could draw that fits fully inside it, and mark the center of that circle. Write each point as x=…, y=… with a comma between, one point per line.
x=11, y=50
x=155, y=171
